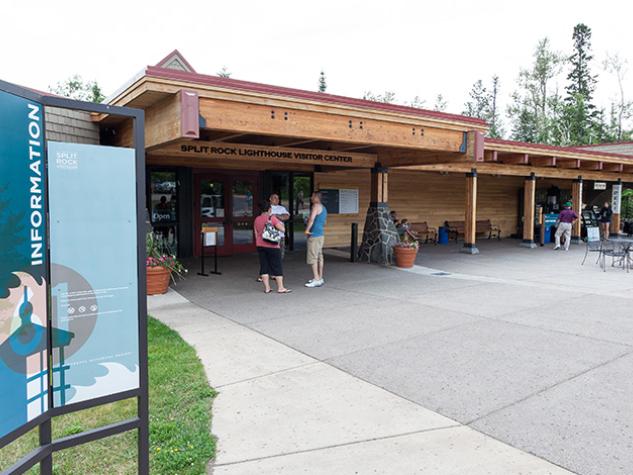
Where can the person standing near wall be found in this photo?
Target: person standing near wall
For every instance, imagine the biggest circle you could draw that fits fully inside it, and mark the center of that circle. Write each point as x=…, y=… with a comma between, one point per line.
x=315, y=230
x=604, y=218
x=566, y=218
x=269, y=253
x=281, y=213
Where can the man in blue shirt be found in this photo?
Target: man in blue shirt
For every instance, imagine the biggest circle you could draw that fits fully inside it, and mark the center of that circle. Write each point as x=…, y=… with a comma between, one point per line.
x=315, y=231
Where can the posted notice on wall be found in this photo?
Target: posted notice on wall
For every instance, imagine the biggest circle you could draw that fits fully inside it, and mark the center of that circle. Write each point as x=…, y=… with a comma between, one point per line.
x=94, y=280
x=340, y=200
x=348, y=201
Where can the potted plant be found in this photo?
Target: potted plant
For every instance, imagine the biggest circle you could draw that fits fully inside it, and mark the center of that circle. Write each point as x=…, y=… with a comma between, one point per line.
x=406, y=251
x=160, y=264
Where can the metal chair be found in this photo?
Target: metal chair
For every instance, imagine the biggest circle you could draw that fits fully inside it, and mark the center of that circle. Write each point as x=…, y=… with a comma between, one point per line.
x=594, y=244
x=617, y=253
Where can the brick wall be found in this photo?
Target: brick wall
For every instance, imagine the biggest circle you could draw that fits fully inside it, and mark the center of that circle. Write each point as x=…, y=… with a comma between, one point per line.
x=63, y=125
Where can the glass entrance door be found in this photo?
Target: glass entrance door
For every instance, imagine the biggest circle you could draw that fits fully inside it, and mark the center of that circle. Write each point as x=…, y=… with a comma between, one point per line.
x=211, y=212
x=294, y=189
x=227, y=204
x=242, y=214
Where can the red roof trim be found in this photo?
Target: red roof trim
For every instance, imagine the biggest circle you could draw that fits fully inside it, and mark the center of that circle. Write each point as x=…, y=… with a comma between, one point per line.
x=555, y=148
x=230, y=83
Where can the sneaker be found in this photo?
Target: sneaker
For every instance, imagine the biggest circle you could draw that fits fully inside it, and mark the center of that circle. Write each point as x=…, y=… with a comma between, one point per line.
x=314, y=283
x=557, y=248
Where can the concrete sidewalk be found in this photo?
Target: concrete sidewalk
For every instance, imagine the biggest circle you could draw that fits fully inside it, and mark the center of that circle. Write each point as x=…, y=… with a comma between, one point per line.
x=280, y=411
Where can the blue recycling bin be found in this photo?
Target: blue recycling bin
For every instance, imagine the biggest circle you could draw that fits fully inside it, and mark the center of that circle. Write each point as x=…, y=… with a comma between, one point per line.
x=442, y=235
x=549, y=225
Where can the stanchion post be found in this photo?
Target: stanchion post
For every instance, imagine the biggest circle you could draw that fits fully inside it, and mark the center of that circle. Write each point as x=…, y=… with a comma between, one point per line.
x=215, y=259
x=354, y=243
x=202, y=272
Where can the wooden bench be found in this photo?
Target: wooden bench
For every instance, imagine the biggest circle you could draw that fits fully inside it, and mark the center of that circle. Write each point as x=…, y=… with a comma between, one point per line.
x=484, y=226
x=424, y=231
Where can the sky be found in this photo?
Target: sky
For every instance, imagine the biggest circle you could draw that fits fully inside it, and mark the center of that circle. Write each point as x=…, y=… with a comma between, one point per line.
x=413, y=48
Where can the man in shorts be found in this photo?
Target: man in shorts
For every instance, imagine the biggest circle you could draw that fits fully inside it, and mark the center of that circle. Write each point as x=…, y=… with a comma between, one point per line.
x=315, y=231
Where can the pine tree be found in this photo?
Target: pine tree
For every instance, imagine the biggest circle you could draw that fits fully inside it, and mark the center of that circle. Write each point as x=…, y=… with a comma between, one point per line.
x=224, y=72
x=582, y=115
x=322, y=82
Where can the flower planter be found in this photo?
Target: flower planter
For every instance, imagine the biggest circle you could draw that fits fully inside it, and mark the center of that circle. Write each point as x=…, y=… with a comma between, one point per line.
x=157, y=280
x=405, y=256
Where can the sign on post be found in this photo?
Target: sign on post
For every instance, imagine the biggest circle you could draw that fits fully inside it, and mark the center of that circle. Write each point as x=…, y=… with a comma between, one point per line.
x=73, y=327
x=616, y=198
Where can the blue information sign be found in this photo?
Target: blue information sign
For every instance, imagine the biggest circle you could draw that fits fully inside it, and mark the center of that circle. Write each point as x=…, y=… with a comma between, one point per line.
x=23, y=318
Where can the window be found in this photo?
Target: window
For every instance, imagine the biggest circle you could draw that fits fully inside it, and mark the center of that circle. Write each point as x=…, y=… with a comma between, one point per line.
x=163, y=201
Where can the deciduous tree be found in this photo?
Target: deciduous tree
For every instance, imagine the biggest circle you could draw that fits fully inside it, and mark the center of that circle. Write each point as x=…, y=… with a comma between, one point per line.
x=75, y=87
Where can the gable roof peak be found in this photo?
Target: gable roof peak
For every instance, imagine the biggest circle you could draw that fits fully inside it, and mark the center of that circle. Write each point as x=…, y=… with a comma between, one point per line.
x=175, y=60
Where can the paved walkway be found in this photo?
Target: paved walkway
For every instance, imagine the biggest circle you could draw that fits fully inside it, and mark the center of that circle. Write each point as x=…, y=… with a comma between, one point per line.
x=280, y=411
x=523, y=345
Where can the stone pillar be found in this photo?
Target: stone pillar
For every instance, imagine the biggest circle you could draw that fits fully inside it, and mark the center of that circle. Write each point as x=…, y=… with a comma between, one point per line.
x=379, y=234
x=616, y=205
x=470, y=222
x=576, y=201
x=529, y=210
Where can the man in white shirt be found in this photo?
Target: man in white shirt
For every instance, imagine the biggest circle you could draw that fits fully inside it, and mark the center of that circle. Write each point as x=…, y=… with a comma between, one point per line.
x=281, y=213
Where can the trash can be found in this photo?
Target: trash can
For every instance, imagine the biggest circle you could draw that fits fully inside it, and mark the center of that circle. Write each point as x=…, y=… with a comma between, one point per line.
x=442, y=235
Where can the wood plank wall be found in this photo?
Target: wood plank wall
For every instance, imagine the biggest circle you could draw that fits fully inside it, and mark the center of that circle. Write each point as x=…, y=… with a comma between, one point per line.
x=430, y=197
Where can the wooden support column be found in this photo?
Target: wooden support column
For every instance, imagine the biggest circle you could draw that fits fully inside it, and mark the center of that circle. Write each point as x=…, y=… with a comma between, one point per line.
x=576, y=200
x=379, y=185
x=616, y=205
x=529, y=211
x=470, y=223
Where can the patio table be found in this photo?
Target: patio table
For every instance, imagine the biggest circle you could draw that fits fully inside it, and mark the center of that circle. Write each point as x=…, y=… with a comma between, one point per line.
x=626, y=245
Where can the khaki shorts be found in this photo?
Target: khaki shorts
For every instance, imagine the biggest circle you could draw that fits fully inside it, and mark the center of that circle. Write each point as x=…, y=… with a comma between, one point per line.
x=315, y=250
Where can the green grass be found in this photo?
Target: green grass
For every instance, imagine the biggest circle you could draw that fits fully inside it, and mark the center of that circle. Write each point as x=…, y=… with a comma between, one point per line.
x=180, y=419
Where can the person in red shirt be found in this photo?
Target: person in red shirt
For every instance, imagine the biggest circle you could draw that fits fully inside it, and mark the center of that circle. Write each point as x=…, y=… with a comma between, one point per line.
x=566, y=219
x=269, y=252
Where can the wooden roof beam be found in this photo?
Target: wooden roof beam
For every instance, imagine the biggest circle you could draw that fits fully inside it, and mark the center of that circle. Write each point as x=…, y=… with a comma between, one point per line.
x=627, y=169
x=491, y=156
x=515, y=159
x=543, y=161
x=294, y=143
x=568, y=163
x=587, y=165
x=228, y=137
x=612, y=167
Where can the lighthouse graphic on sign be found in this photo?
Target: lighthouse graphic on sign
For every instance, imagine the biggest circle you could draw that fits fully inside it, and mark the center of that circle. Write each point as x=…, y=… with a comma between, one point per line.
x=24, y=356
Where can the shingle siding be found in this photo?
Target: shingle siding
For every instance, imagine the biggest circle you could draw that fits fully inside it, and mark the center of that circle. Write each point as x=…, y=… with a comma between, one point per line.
x=623, y=148
x=64, y=125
